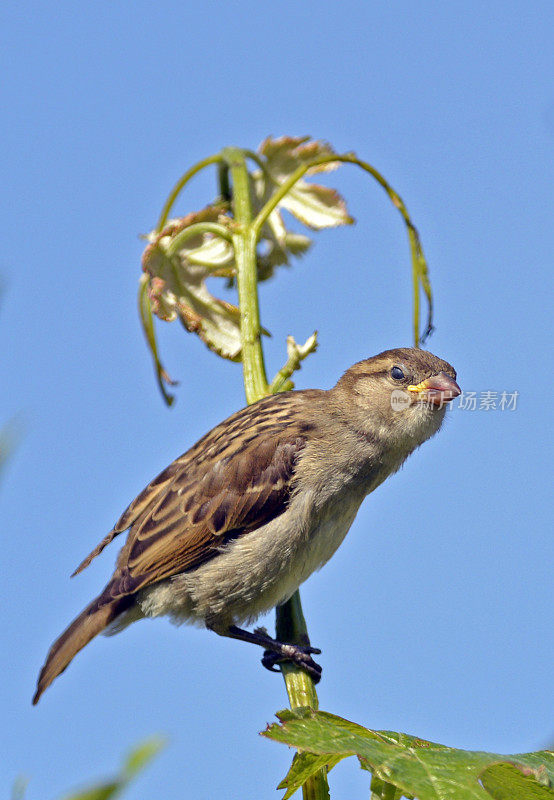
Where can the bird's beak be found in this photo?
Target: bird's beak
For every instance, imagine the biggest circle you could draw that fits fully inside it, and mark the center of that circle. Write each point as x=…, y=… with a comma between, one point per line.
x=437, y=390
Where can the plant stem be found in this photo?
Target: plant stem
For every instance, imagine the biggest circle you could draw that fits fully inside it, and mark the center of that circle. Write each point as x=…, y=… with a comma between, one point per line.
x=291, y=627
x=290, y=622
x=419, y=264
x=244, y=243
x=184, y=179
x=194, y=230
x=281, y=382
x=145, y=314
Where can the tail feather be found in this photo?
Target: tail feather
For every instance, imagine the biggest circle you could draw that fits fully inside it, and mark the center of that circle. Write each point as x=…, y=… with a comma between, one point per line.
x=90, y=622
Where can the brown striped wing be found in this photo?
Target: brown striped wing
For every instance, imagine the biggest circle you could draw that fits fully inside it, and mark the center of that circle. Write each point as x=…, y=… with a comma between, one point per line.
x=235, y=479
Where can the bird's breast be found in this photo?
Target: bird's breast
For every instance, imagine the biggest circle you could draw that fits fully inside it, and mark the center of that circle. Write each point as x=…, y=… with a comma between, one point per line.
x=325, y=532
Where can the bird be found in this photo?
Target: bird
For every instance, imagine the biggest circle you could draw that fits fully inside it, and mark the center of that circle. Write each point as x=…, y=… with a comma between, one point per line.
x=231, y=528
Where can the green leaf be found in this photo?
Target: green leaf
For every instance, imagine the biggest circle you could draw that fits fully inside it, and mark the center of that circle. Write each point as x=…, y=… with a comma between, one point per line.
x=135, y=762
x=103, y=791
x=276, y=243
x=142, y=755
x=314, y=205
x=415, y=766
x=508, y=781
x=177, y=267
x=381, y=790
x=303, y=767
x=285, y=153
x=274, y=254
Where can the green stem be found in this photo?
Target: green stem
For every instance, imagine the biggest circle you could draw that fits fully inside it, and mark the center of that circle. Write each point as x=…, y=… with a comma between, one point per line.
x=145, y=314
x=415, y=288
x=244, y=243
x=181, y=184
x=194, y=230
x=290, y=626
x=269, y=180
x=389, y=792
x=419, y=264
x=223, y=180
x=281, y=382
x=290, y=620
x=256, y=157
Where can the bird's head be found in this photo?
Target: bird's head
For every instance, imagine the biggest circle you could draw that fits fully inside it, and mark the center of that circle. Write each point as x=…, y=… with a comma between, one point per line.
x=399, y=395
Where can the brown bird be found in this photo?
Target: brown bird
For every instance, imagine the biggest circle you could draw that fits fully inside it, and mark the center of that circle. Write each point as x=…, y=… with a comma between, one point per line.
x=233, y=527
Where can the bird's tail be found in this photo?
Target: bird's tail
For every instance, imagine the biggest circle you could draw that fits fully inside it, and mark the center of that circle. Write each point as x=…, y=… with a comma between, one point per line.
x=91, y=621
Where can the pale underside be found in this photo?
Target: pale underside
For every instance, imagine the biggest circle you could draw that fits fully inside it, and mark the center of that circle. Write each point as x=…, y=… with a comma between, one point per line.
x=253, y=573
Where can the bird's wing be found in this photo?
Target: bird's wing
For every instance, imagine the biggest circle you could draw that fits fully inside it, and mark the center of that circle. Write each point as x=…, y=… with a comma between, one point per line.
x=235, y=479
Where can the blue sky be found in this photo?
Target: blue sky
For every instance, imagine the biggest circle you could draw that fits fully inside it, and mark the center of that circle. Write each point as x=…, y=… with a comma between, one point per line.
x=435, y=616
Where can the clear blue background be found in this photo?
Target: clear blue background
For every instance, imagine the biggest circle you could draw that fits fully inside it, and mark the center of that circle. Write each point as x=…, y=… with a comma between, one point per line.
x=435, y=617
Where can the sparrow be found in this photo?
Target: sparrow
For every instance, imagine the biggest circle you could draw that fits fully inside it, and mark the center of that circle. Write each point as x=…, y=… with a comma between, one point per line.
x=230, y=529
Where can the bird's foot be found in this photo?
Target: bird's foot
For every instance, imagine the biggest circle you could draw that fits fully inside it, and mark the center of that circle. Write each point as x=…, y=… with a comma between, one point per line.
x=276, y=652
x=300, y=655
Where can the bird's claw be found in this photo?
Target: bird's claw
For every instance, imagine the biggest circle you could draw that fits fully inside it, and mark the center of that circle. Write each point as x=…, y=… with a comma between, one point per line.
x=301, y=656
x=269, y=659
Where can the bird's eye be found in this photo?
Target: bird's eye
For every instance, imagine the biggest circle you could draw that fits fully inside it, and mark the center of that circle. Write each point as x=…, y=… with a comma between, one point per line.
x=397, y=374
